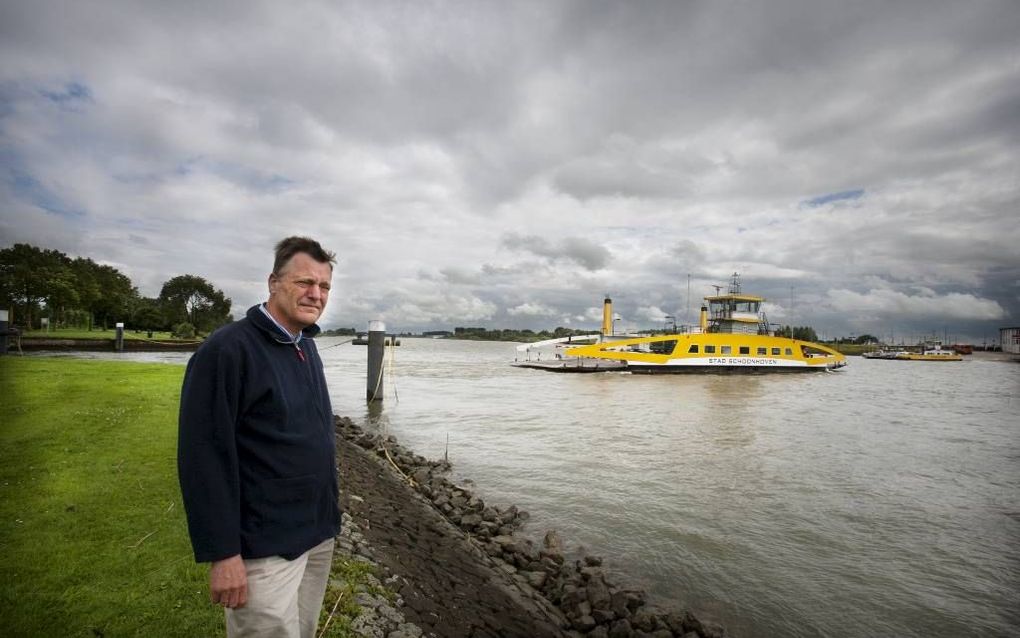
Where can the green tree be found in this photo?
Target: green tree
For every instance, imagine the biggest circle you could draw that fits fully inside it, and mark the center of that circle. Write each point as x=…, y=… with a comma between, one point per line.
x=192, y=299
x=804, y=333
x=184, y=331
x=116, y=295
x=87, y=287
x=35, y=280
x=61, y=296
x=28, y=277
x=147, y=314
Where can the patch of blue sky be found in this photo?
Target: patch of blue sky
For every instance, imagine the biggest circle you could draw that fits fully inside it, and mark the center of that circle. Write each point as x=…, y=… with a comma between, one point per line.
x=250, y=178
x=822, y=200
x=643, y=233
x=26, y=187
x=72, y=93
x=8, y=160
x=135, y=222
x=137, y=178
x=7, y=98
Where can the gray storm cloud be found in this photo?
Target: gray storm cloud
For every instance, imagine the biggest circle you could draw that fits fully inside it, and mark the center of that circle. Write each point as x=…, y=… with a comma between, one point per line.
x=507, y=164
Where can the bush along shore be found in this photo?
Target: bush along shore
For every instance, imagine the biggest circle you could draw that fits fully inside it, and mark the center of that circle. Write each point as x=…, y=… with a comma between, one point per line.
x=564, y=596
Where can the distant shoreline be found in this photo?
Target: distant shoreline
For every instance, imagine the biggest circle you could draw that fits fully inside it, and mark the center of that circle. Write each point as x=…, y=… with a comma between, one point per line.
x=36, y=344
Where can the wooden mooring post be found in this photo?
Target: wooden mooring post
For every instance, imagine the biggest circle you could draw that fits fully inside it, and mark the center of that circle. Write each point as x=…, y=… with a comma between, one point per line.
x=376, y=351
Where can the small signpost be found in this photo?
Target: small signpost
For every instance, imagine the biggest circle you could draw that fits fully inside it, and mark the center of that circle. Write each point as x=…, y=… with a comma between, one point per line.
x=118, y=343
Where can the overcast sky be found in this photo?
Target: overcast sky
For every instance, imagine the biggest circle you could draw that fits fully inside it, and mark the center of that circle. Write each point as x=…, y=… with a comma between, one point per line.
x=507, y=164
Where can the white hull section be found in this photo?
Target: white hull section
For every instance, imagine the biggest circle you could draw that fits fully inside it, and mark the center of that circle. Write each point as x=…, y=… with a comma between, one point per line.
x=729, y=362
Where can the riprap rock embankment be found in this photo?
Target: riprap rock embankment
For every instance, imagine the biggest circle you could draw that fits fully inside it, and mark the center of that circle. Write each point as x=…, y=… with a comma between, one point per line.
x=460, y=566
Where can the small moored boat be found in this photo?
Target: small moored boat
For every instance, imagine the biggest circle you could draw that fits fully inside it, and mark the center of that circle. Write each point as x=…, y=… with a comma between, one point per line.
x=930, y=351
x=884, y=354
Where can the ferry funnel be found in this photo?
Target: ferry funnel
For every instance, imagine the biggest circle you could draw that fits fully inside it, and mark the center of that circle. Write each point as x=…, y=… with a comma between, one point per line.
x=703, y=319
x=607, y=317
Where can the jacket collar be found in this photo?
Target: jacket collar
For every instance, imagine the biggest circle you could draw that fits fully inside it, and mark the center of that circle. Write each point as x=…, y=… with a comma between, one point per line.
x=266, y=325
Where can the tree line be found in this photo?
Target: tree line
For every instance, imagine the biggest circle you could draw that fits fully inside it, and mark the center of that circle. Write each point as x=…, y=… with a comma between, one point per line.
x=804, y=333
x=485, y=334
x=79, y=293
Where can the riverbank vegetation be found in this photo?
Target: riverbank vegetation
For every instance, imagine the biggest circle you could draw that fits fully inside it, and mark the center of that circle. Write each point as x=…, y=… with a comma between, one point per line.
x=93, y=538
x=98, y=333
x=38, y=284
x=525, y=336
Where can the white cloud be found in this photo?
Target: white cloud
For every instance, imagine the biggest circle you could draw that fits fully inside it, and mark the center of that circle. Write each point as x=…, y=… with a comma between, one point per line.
x=926, y=304
x=650, y=314
x=530, y=310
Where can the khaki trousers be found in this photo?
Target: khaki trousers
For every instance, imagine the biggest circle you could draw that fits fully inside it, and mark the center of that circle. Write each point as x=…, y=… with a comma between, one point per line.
x=284, y=596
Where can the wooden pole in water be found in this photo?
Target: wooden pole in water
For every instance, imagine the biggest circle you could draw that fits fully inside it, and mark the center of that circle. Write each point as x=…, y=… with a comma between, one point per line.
x=376, y=350
x=118, y=342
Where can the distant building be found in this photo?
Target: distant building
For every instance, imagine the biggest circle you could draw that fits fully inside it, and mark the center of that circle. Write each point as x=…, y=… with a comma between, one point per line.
x=1010, y=339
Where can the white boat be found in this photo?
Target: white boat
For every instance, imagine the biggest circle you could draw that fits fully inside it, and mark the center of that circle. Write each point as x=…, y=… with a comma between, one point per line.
x=930, y=351
x=883, y=354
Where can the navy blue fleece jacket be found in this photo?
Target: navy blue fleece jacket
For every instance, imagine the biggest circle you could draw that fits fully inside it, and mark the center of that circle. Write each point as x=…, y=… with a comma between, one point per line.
x=255, y=453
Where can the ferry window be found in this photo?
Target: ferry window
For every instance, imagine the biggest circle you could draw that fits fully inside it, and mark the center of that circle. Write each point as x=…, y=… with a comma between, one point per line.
x=745, y=350
x=727, y=350
x=789, y=351
x=776, y=351
x=662, y=347
x=762, y=351
x=709, y=349
x=693, y=348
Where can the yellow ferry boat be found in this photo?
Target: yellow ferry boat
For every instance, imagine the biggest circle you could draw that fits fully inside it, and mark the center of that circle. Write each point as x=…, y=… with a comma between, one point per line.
x=733, y=336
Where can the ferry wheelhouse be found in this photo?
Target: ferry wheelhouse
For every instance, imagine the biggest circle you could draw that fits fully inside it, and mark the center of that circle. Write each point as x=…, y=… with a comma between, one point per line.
x=733, y=335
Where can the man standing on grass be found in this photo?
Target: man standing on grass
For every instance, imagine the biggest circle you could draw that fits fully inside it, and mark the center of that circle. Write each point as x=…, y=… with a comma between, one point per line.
x=256, y=456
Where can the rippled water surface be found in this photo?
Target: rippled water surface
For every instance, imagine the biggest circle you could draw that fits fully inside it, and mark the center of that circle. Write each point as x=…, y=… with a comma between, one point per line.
x=883, y=499
x=880, y=500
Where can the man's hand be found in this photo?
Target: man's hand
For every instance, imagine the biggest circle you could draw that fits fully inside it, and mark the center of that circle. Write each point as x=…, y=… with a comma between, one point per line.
x=228, y=582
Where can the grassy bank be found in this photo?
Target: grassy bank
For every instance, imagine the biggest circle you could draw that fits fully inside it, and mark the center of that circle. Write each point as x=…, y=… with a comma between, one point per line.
x=851, y=349
x=93, y=539
x=857, y=350
x=92, y=533
x=80, y=333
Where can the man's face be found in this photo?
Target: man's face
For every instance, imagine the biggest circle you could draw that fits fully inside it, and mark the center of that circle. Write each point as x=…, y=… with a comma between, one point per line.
x=298, y=294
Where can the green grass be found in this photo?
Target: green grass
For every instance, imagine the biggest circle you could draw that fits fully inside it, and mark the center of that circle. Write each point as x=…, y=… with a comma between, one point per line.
x=851, y=349
x=81, y=333
x=93, y=539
